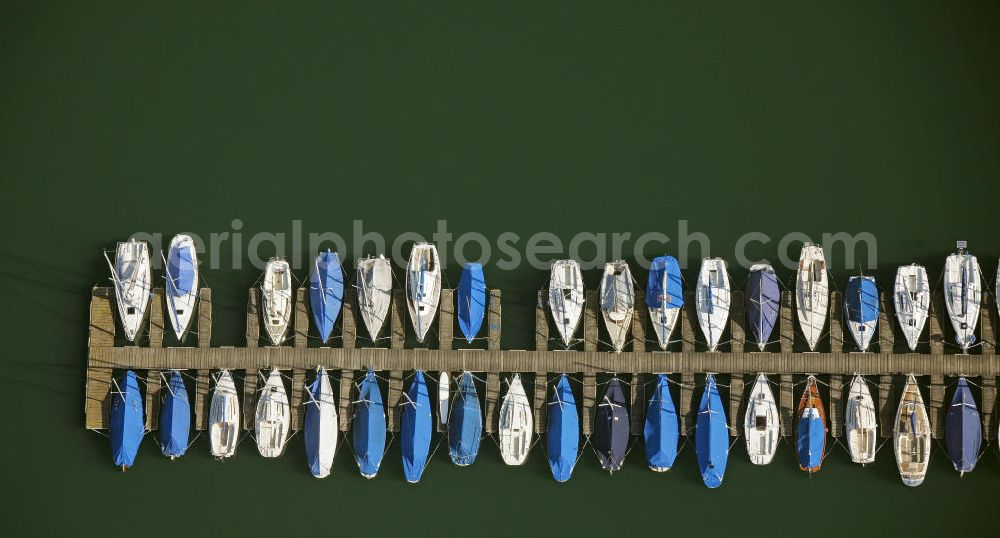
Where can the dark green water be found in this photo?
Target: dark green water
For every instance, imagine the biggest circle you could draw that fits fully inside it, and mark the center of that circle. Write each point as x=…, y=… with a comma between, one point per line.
x=585, y=116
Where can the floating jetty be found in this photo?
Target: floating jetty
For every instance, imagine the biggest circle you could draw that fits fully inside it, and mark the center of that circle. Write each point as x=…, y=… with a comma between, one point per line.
x=637, y=365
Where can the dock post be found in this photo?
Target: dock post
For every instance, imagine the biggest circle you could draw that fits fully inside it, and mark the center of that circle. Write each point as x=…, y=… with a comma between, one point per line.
x=492, y=401
x=989, y=402
x=249, y=398
x=688, y=321
x=637, y=401
x=398, y=314
x=101, y=333
x=687, y=410
x=348, y=319
x=886, y=318
x=201, y=399
x=446, y=319
x=886, y=412
x=253, y=319
x=639, y=322
x=735, y=401
x=988, y=324
x=538, y=402
x=591, y=313
x=836, y=322
x=589, y=402
x=297, y=412
x=205, y=317
x=300, y=335
x=938, y=409
x=393, y=410
x=494, y=320
x=153, y=386
x=541, y=322
x=786, y=404
x=737, y=322
x=156, y=328
x=345, y=411
x=836, y=396
x=937, y=320
x=787, y=324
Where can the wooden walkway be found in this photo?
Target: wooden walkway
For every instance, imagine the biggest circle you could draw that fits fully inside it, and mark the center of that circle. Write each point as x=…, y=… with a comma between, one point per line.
x=587, y=360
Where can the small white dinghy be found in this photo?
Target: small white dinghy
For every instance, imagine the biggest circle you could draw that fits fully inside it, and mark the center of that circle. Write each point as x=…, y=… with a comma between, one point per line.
x=566, y=297
x=761, y=425
x=276, y=296
x=516, y=424
x=713, y=300
x=617, y=302
x=224, y=417
x=812, y=293
x=444, y=386
x=374, y=292
x=911, y=436
x=181, y=274
x=133, y=284
x=962, y=295
x=320, y=425
x=861, y=422
x=271, y=421
x=912, y=298
x=423, y=287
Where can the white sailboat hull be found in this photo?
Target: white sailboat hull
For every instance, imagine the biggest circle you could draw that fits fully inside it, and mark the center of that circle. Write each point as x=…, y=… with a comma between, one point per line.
x=272, y=419
x=374, y=293
x=566, y=298
x=713, y=300
x=133, y=285
x=963, y=296
x=224, y=417
x=326, y=409
x=861, y=423
x=663, y=320
x=761, y=424
x=444, y=387
x=812, y=293
x=423, y=287
x=861, y=332
x=181, y=306
x=617, y=302
x=912, y=435
x=516, y=425
x=912, y=299
x=276, y=297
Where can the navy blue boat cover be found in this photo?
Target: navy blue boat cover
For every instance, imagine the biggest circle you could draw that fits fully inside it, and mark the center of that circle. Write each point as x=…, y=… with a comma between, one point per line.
x=611, y=428
x=763, y=299
x=963, y=429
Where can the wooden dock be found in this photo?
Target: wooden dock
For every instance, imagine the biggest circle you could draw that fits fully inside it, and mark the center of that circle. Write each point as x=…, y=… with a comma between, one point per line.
x=302, y=354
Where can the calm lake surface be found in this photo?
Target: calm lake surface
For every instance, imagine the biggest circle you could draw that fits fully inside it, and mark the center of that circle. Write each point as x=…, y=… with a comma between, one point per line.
x=524, y=118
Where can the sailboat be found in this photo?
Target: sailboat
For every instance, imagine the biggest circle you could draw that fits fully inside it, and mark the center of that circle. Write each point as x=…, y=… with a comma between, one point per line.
x=276, y=294
x=963, y=295
x=374, y=292
x=175, y=418
x=320, y=425
x=810, y=428
x=912, y=298
x=471, y=299
x=713, y=300
x=861, y=309
x=611, y=428
x=661, y=431
x=369, y=430
x=562, y=437
x=617, y=302
x=465, y=426
x=761, y=425
x=133, y=284
x=812, y=293
x=326, y=292
x=271, y=421
x=126, y=426
x=224, y=417
x=911, y=436
x=763, y=299
x=516, y=425
x=423, y=287
x=664, y=297
x=861, y=422
x=181, y=283
x=712, y=435
x=444, y=385
x=415, y=428
x=566, y=298
x=963, y=430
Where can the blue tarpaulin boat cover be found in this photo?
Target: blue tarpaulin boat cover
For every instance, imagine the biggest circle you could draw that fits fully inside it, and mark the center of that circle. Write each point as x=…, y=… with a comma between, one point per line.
x=664, y=283
x=563, y=437
x=861, y=298
x=369, y=427
x=180, y=271
x=127, y=425
x=712, y=435
x=415, y=428
x=471, y=300
x=810, y=438
x=175, y=418
x=611, y=428
x=661, y=431
x=762, y=299
x=963, y=429
x=465, y=425
x=326, y=292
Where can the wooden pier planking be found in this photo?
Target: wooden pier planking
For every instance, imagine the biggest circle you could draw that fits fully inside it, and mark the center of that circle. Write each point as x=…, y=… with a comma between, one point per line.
x=836, y=322
x=688, y=322
x=446, y=319
x=735, y=403
x=345, y=410
x=398, y=319
x=886, y=410
x=300, y=319
x=937, y=320
x=989, y=384
x=101, y=333
x=348, y=321
x=393, y=410
x=786, y=404
x=152, y=411
x=492, y=401
x=297, y=411
x=541, y=322
x=637, y=403
x=639, y=322
x=249, y=398
x=988, y=324
x=786, y=326
x=591, y=320
x=538, y=402
x=937, y=409
x=493, y=319
x=737, y=322
x=886, y=321
x=253, y=318
x=156, y=327
x=836, y=405
x=589, y=404
x=201, y=399
x=687, y=409
x=205, y=317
